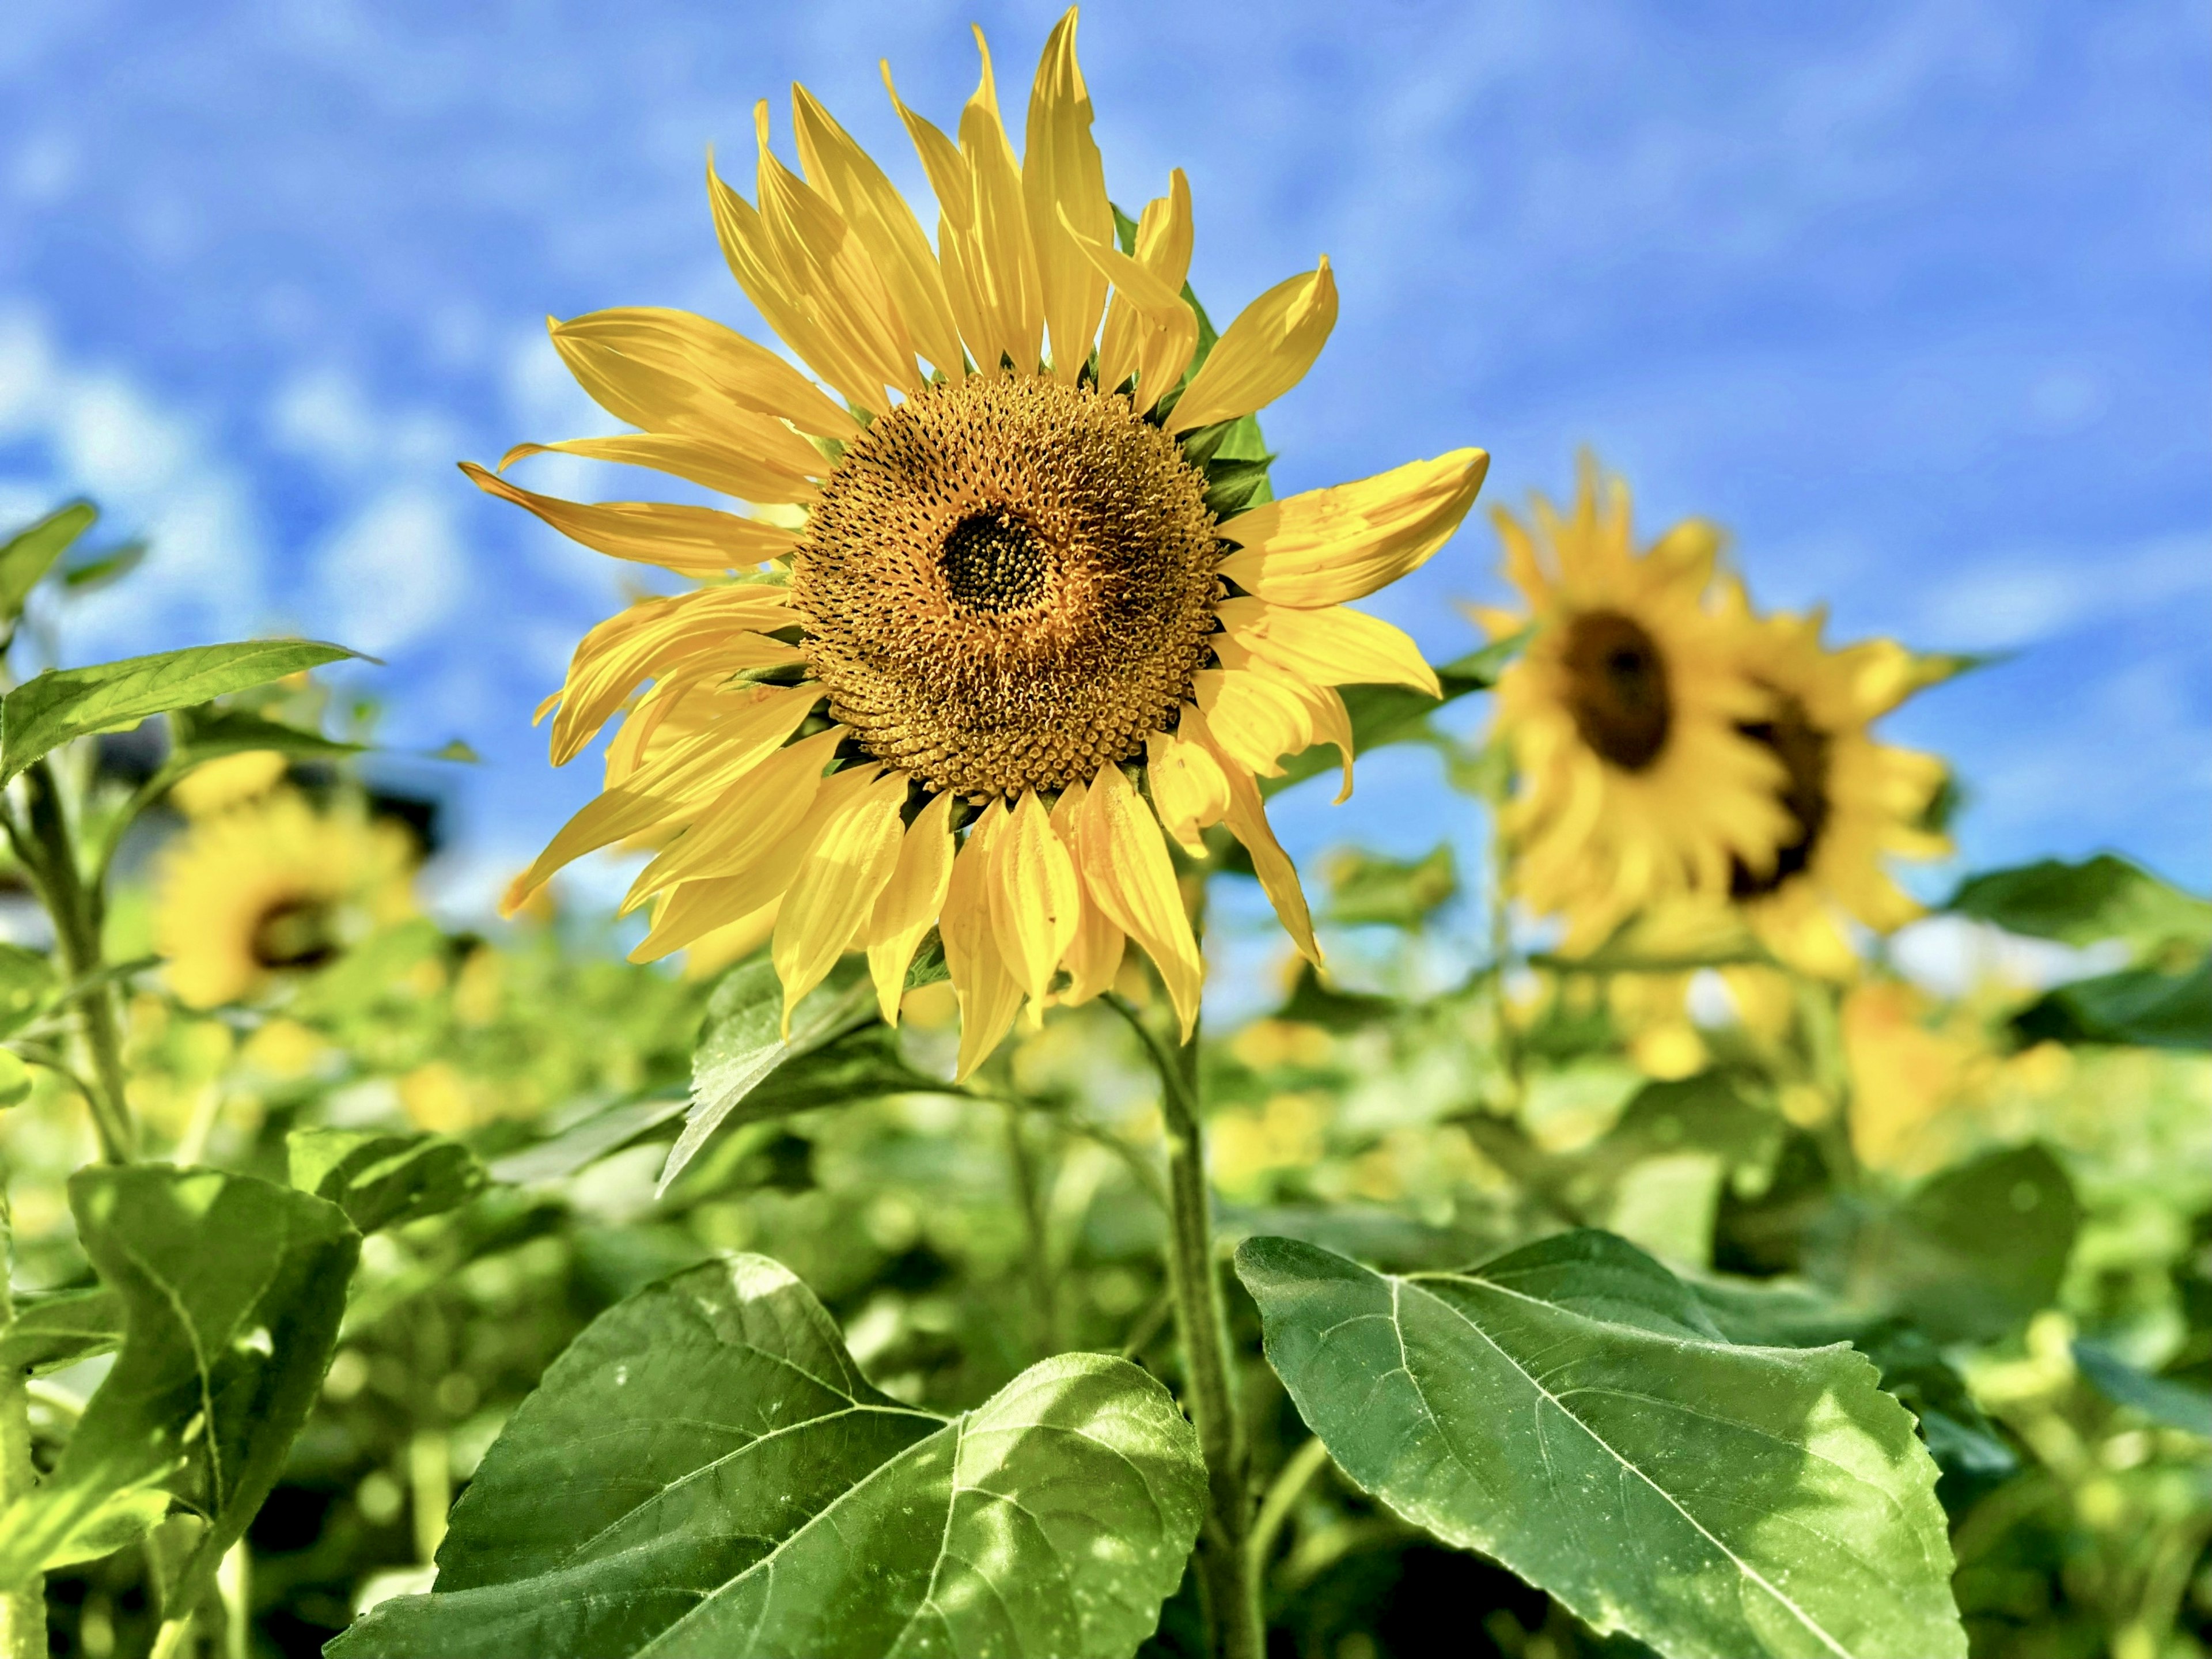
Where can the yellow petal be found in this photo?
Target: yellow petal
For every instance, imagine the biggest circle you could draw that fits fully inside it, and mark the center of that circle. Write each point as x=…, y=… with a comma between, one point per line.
x=1126, y=868
x=830, y=273
x=1335, y=647
x=1133, y=342
x=674, y=786
x=1326, y=546
x=1094, y=957
x=693, y=908
x=910, y=902
x=1189, y=788
x=1266, y=352
x=1035, y=902
x=696, y=541
x=666, y=404
x=989, y=994
x=852, y=847
x=1164, y=331
x=703, y=461
x=1247, y=820
x=1063, y=179
x=652, y=638
x=751, y=250
x=886, y=227
x=999, y=260
x=948, y=174
x=693, y=362
x=746, y=830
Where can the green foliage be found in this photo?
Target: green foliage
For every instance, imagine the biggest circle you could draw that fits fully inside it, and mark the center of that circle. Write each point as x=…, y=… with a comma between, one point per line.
x=47, y=711
x=1365, y=887
x=2175, y=1404
x=383, y=1180
x=60, y=1329
x=2104, y=898
x=1572, y=1410
x=1971, y=1255
x=2140, y=1007
x=232, y=1289
x=707, y=1472
x=26, y=556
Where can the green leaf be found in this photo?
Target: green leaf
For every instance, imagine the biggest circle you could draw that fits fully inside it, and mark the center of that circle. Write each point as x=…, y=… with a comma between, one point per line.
x=2160, y=1398
x=586, y=1140
x=1234, y=485
x=1959, y=1435
x=1384, y=715
x=2139, y=1006
x=45, y=713
x=384, y=1180
x=1570, y=1410
x=740, y=1045
x=1970, y=1255
x=15, y=1079
x=2100, y=898
x=862, y=1065
x=1312, y=1003
x=59, y=1329
x=232, y=1289
x=28, y=986
x=1368, y=888
x=207, y=732
x=705, y=1472
x=28, y=555
x=89, y=572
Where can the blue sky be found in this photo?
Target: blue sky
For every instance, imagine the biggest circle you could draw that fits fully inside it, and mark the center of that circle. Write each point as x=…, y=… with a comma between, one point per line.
x=1912, y=297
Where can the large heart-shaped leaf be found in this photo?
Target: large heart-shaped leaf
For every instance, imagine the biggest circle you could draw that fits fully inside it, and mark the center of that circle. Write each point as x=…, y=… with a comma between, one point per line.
x=1571, y=1410
x=384, y=1180
x=2100, y=898
x=45, y=712
x=232, y=1289
x=706, y=1472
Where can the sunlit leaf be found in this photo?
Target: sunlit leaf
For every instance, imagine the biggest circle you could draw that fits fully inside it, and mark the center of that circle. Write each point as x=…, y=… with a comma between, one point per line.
x=741, y=1044
x=1572, y=1411
x=26, y=556
x=45, y=712
x=384, y=1180
x=705, y=1472
x=1369, y=888
x=232, y=1289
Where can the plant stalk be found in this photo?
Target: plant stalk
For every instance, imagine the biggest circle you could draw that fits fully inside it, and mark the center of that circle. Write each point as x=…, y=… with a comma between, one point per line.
x=22, y=1607
x=1030, y=1199
x=76, y=910
x=1224, y=1557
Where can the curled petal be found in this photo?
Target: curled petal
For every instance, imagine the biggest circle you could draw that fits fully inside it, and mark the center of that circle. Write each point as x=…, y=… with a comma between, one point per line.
x=703, y=461
x=1247, y=820
x=1335, y=647
x=1330, y=545
x=910, y=902
x=1035, y=900
x=1094, y=957
x=1127, y=869
x=695, y=541
x=849, y=855
x=663, y=359
x=747, y=829
x=990, y=996
x=1064, y=187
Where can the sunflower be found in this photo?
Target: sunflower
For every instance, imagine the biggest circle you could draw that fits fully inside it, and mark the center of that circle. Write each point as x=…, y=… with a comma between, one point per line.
x=247, y=894
x=1636, y=783
x=1853, y=803
x=986, y=645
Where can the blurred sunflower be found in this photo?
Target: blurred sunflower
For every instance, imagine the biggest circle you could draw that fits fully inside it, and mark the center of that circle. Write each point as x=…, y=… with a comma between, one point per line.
x=1853, y=803
x=1004, y=650
x=1624, y=718
x=246, y=895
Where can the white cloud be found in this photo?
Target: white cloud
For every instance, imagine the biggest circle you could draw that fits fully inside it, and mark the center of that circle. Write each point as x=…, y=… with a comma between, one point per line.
x=2021, y=598
x=392, y=572
x=1950, y=955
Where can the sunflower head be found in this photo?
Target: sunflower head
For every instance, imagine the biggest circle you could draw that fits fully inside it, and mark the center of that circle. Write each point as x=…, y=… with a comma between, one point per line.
x=248, y=895
x=1853, y=803
x=1007, y=619
x=1636, y=783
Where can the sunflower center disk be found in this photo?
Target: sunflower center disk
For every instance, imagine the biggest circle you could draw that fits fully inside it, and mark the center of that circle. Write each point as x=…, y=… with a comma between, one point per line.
x=1803, y=748
x=1617, y=689
x=994, y=562
x=1008, y=582
x=293, y=933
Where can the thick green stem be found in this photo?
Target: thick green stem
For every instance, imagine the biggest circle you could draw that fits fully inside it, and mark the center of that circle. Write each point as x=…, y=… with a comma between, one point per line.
x=76, y=910
x=1223, y=1557
x=23, y=1606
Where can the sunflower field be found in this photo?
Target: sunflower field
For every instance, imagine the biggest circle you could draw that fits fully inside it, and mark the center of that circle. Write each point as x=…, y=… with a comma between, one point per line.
x=856, y=1242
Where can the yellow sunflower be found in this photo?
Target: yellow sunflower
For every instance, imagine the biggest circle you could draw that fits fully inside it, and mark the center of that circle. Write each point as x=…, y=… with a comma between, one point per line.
x=988, y=649
x=245, y=895
x=1635, y=783
x=1853, y=803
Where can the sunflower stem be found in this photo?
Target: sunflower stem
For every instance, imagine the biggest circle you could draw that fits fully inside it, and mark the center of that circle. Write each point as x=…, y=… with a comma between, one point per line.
x=1021, y=1166
x=23, y=1606
x=1224, y=1560
x=76, y=910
